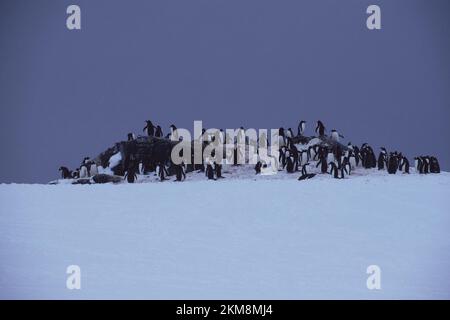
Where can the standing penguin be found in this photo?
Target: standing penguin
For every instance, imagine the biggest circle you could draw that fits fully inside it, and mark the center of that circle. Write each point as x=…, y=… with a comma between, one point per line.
x=150, y=128
x=346, y=166
x=83, y=172
x=282, y=157
x=161, y=171
x=320, y=128
x=434, y=165
x=93, y=169
x=130, y=136
x=335, y=171
x=335, y=135
x=418, y=164
x=180, y=173
x=323, y=161
x=426, y=164
x=209, y=171
x=290, y=164
x=382, y=158
x=392, y=163
x=65, y=173
x=158, y=132
x=174, y=133
x=301, y=128
x=404, y=165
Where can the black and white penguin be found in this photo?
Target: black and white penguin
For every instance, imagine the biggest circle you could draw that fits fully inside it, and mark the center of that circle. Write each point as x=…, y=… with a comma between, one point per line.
x=295, y=154
x=303, y=157
x=392, y=163
x=65, y=173
x=404, y=165
x=323, y=162
x=301, y=128
x=334, y=171
x=434, y=165
x=76, y=173
x=282, y=156
x=180, y=173
x=174, y=134
x=290, y=164
x=209, y=171
x=150, y=128
x=418, y=164
x=83, y=171
x=131, y=175
x=158, y=132
x=93, y=169
x=346, y=166
x=131, y=136
x=320, y=128
x=426, y=164
x=335, y=135
x=161, y=171
x=382, y=159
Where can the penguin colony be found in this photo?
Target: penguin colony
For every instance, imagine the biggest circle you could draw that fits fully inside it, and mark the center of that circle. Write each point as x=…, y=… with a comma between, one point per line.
x=327, y=153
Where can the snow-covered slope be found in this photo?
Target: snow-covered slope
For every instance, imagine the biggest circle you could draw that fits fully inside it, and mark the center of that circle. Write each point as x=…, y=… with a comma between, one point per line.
x=256, y=238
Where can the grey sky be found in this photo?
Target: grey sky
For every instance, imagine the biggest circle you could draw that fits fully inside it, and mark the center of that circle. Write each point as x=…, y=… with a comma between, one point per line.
x=256, y=63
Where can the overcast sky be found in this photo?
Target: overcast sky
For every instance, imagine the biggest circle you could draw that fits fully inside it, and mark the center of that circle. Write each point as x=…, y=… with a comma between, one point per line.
x=67, y=94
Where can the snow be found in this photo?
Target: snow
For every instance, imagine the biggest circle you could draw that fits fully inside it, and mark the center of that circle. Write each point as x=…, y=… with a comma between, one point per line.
x=242, y=237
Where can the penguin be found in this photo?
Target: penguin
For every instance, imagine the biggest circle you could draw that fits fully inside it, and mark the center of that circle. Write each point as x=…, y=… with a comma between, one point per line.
x=404, y=165
x=418, y=164
x=65, y=173
x=434, y=165
x=303, y=157
x=222, y=136
x=281, y=138
x=392, y=163
x=323, y=163
x=335, y=135
x=289, y=133
x=83, y=172
x=93, y=170
x=347, y=166
x=131, y=136
x=320, y=128
x=290, y=164
x=334, y=170
x=258, y=167
x=161, y=171
x=382, y=158
x=150, y=128
x=76, y=174
x=174, y=133
x=282, y=157
x=158, y=132
x=180, y=173
x=301, y=128
x=426, y=165
x=295, y=154
x=357, y=155
x=209, y=171
x=337, y=153
x=130, y=175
